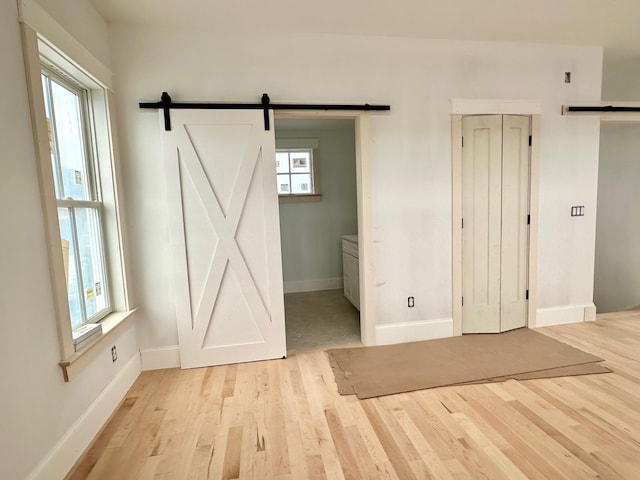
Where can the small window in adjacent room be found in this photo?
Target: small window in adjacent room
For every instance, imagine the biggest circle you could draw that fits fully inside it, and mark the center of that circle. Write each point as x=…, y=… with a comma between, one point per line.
x=78, y=198
x=295, y=174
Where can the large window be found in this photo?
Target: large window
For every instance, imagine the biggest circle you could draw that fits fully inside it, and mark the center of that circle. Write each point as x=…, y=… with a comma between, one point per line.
x=295, y=172
x=75, y=140
x=75, y=177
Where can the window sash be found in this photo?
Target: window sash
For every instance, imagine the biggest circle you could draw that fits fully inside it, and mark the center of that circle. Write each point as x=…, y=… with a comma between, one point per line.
x=290, y=174
x=80, y=218
x=86, y=275
x=86, y=136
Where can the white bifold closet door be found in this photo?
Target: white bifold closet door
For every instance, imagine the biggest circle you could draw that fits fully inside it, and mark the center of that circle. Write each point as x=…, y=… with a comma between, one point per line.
x=495, y=230
x=225, y=236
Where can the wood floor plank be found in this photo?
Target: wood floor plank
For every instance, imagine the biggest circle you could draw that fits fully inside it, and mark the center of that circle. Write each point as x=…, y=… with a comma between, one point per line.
x=346, y=456
x=396, y=456
x=457, y=441
x=502, y=463
x=231, y=469
x=525, y=456
x=283, y=419
x=549, y=442
x=254, y=456
x=315, y=467
x=101, y=443
x=595, y=468
x=433, y=465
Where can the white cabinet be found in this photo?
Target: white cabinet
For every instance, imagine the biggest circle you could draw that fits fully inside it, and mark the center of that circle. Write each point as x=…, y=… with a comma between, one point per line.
x=351, y=269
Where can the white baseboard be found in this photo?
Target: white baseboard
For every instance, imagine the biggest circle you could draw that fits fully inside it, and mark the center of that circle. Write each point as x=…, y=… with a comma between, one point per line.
x=72, y=445
x=414, y=331
x=159, y=358
x=546, y=317
x=296, y=286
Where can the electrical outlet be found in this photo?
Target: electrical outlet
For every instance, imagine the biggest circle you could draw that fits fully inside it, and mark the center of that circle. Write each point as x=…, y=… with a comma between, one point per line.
x=114, y=354
x=410, y=302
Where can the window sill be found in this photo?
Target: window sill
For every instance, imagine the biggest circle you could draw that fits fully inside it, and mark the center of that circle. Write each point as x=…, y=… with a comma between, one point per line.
x=313, y=197
x=111, y=324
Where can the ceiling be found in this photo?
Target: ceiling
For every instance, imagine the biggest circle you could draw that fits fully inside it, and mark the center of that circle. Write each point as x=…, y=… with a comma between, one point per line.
x=610, y=23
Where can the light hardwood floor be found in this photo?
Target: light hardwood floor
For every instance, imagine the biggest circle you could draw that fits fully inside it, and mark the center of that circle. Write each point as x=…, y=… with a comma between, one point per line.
x=283, y=419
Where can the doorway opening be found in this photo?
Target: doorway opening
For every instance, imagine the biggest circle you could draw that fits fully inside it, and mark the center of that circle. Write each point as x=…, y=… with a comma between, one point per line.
x=617, y=264
x=318, y=208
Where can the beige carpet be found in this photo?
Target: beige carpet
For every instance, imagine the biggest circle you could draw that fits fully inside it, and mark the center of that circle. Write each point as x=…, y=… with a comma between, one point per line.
x=520, y=354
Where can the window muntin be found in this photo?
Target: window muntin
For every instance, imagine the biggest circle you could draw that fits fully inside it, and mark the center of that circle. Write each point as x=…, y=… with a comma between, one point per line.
x=294, y=170
x=78, y=200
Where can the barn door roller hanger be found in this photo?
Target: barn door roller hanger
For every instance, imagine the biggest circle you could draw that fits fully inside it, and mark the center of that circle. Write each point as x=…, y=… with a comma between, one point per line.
x=265, y=105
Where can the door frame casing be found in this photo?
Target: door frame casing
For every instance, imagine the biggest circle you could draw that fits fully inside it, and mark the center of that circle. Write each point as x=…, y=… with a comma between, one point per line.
x=461, y=108
x=364, y=195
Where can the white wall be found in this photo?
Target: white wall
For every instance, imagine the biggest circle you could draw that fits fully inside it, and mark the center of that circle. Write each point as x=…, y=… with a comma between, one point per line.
x=311, y=231
x=37, y=409
x=411, y=146
x=620, y=77
x=82, y=22
x=617, y=270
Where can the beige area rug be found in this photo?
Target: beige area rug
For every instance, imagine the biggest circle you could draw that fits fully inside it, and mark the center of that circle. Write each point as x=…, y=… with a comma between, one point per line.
x=521, y=354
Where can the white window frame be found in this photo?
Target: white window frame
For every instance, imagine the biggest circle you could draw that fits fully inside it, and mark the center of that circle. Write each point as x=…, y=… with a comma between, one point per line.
x=37, y=52
x=92, y=180
x=291, y=174
x=302, y=144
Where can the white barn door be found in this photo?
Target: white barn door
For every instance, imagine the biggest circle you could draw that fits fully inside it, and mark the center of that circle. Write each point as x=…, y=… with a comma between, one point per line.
x=225, y=236
x=495, y=234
